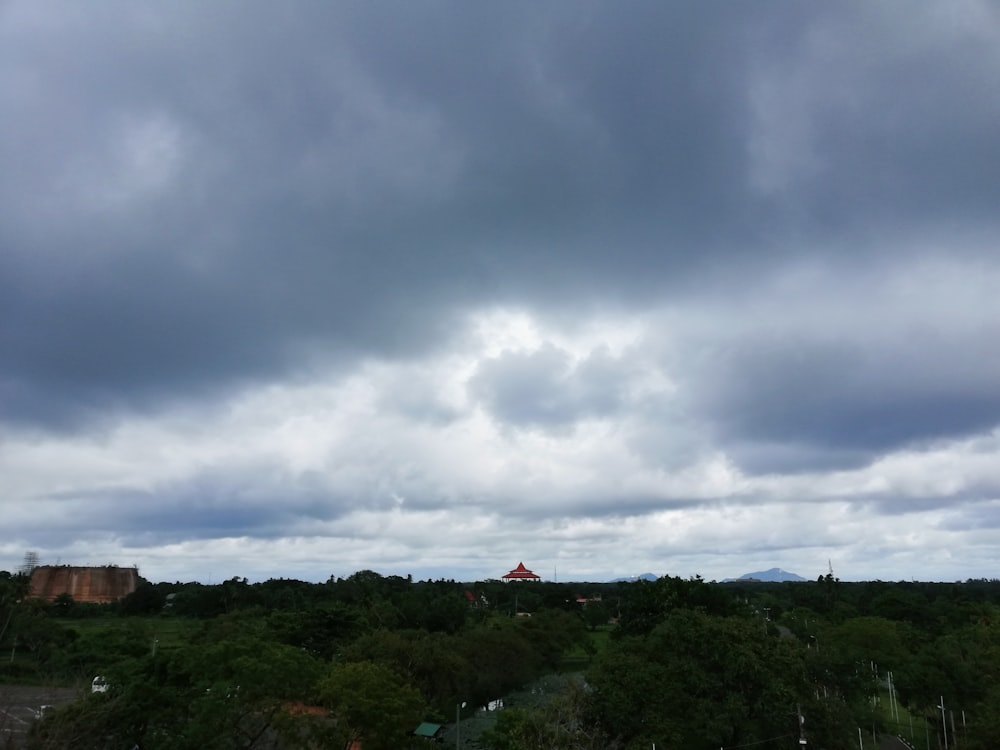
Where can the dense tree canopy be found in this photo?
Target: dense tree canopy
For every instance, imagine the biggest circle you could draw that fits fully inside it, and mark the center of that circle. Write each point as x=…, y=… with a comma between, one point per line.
x=682, y=663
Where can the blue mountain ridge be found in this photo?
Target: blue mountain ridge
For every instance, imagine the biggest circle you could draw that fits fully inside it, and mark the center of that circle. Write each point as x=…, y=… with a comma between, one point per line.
x=633, y=579
x=770, y=575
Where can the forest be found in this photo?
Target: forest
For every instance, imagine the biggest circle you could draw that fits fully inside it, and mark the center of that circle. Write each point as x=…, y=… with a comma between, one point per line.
x=360, y=662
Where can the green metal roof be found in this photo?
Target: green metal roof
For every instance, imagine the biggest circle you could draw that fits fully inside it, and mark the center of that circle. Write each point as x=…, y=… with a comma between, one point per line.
x=427, y=729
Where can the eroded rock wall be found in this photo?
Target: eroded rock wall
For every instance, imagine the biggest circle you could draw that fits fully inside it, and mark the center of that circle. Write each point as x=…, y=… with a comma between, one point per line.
x=98, y=585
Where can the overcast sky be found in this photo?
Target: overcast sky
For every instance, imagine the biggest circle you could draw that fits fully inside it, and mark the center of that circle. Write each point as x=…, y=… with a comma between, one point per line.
x=298, y=289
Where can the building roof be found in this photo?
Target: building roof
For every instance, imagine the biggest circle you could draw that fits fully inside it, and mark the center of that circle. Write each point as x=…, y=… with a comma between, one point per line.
x=428, y=729
x=521, y=573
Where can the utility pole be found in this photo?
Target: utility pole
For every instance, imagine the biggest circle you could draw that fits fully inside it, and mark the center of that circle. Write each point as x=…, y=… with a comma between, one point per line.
x=458, y=723
x=893, y=704
x=944, y=724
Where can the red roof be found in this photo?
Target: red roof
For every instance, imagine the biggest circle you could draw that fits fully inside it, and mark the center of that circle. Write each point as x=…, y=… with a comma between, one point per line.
x=521, y=573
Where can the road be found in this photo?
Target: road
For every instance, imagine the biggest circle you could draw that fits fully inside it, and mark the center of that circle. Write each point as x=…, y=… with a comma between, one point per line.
x=888, y=742
x=20, y=705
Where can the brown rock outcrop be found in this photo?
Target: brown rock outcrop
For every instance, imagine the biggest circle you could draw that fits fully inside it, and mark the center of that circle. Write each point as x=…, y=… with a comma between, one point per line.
x=96, y=585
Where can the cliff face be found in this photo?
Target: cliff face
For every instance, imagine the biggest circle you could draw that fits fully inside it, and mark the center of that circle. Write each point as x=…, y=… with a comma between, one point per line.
x=96, y=585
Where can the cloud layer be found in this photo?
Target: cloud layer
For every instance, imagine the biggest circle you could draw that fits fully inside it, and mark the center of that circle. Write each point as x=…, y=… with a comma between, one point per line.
x=431, y=289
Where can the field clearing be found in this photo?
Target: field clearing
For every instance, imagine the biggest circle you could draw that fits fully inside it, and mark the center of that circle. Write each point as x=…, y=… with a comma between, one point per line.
x=168, y=632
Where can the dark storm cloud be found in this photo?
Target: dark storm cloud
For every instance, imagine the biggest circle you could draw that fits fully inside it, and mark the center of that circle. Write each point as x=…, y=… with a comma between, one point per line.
x=894, y=116
x=800, y=402
x=967, y=501
x=195, y=198
x=232, y=268
x=212, y=504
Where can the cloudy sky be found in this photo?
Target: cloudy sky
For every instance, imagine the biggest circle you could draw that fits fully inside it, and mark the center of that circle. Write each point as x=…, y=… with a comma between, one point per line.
x=297, y=289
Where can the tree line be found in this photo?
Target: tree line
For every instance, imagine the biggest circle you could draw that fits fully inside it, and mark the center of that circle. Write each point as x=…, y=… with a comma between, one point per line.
x=679, y=663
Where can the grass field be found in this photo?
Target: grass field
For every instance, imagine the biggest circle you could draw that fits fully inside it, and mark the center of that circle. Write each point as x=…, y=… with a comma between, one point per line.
x=579, y=658
x=168, y=632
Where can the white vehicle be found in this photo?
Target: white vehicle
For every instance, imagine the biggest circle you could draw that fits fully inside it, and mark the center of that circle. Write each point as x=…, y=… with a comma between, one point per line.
x=99, y=685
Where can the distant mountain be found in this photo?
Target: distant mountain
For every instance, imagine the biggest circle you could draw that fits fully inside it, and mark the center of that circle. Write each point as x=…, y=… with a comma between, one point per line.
x=633, y=579
x=773, y=574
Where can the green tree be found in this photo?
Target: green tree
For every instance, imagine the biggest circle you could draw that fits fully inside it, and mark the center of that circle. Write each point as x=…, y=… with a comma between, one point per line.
x=983, y=731
x=596, y=614
x=562, y=723
x=81, y=656
x=874, y=639
x=35, y=634
x=434, y=608
x=430, y=661
x=502, y=659
x=553, y=632
x=646, y=603
x=699, y=680
x=243, y=688
x=319, y=629
x=13, y=592
x=371, y=704
x=231, y=695
x=147, y=599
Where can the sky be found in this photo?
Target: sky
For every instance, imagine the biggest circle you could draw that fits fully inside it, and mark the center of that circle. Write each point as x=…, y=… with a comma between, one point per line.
x=431, y=288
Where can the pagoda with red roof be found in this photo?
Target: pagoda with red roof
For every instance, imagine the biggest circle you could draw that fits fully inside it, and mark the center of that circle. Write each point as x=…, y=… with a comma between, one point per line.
x=520, y=573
